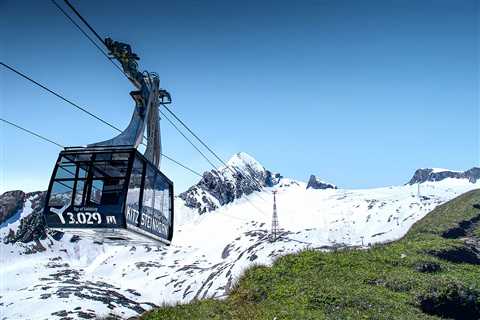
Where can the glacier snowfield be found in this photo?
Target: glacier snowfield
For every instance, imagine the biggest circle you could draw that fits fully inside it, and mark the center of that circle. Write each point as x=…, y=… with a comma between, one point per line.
x=208, y=253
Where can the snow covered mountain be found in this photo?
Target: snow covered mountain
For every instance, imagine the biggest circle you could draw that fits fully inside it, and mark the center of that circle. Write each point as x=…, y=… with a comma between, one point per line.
x=242, y=176
x=221, y=228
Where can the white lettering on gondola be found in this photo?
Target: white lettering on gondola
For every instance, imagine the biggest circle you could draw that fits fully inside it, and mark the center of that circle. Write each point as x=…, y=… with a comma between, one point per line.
x=132, y=215
x=77, y=217
x=111, y=220
x=153, y=224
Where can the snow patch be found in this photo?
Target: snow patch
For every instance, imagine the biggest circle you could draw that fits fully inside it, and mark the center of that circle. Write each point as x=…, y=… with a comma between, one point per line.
x=243, y=161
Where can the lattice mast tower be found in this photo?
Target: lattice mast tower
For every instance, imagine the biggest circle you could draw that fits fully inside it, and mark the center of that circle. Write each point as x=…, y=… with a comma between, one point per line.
x=275, y=228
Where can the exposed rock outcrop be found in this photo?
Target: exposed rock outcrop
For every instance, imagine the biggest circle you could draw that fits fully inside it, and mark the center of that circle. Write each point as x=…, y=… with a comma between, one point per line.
x=436, y=174
x=315, y=183
x=32, y=227
x=10, y=203
x=243, y=176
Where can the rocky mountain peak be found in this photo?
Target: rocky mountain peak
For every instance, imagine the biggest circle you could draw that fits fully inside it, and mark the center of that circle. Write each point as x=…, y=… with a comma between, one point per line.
x=438, y=174
x=242, y=176
x=316, y=183
x=243, y=160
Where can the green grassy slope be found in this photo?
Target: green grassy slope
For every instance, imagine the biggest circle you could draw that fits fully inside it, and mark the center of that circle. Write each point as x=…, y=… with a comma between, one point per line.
x=413, y=278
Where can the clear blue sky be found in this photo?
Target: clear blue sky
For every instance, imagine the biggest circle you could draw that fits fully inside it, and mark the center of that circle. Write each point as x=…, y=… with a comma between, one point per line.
x=359, y=92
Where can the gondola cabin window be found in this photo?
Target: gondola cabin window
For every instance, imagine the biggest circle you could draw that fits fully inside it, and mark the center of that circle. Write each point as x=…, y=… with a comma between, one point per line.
x=92, y=183
x=133, y=196
x=155, y=210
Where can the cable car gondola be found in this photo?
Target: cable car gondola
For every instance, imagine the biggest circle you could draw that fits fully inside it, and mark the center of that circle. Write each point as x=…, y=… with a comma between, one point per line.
x=109, y=190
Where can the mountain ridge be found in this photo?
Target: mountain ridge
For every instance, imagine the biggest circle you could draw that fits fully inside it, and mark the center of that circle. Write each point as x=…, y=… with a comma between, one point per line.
x=439, y=174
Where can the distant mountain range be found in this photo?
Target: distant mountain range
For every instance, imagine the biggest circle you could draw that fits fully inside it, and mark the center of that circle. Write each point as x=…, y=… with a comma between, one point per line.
x=245, y=175
x=438, y=174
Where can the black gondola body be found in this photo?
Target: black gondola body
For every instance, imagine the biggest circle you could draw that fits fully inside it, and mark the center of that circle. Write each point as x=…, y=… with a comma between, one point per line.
x=110, y=193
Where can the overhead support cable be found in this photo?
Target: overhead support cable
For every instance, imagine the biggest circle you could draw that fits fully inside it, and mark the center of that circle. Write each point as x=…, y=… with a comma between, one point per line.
x=59, y=96
x=31, y=132
x=190, y=141
x=256, y=183
x=233, y=170
x=108, y=58
x=86, y=35
x=77, y=13
x=87, y=112
x=182, y=165
x=84, y=21
x=196, y=137
x=213, y=165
